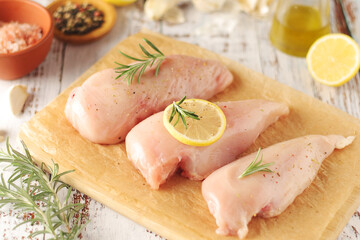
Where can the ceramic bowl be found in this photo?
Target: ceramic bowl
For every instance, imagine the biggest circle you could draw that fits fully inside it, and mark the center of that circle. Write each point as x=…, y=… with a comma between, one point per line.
x=18, y=64
x=109, y=21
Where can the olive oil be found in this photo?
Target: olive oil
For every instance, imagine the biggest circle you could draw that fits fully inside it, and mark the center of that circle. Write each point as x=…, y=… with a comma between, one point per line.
x=297, y=29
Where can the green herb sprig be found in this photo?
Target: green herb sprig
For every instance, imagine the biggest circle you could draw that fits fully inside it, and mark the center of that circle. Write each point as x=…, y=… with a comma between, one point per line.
x=182, y=113
x=255, y=166
x=31, y=190
x=129, y=71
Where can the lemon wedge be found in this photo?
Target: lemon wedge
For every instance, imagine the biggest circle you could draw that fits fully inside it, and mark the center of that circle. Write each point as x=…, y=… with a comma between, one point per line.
x=203, y=132
x=120, y=2
x=333, y=59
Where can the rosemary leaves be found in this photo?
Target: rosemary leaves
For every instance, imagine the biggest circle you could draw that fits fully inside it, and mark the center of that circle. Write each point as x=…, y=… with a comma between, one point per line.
x=182, y=113
x=129, y=71
x=255, y=166
x=31, y=189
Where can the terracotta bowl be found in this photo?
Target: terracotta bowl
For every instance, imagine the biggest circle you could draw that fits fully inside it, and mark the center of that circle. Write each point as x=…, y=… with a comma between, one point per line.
x=18, y=64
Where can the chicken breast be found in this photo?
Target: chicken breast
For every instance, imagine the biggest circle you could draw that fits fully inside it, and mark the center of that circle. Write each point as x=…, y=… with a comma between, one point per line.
x=105, y=109
x=234, y=201
x=158, y=155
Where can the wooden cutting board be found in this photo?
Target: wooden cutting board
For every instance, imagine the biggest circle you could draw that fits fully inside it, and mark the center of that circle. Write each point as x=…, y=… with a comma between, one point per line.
x=177, y=210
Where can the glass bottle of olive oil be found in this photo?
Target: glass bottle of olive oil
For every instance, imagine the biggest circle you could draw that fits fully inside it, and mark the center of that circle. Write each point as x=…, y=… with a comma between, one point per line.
x=297, y=24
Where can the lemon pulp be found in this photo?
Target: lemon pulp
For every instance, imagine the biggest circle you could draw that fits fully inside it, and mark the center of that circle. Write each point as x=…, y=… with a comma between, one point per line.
x=334, y=59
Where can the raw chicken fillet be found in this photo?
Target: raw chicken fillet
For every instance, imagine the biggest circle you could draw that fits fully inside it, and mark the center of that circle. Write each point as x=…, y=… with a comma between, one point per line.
x=158, y=155
x=105, y=109
x=234, y=201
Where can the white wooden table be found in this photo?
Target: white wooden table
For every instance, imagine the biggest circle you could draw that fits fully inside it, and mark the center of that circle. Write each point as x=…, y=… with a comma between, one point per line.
x=247, y=43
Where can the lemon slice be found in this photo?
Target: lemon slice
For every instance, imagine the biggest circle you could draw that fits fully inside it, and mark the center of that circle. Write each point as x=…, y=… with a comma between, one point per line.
x=120, y=2
x=333, y=59
x=203, y=132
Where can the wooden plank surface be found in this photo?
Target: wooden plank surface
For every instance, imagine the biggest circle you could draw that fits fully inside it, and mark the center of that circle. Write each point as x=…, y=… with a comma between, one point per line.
x=177, y=210
x=247, y=43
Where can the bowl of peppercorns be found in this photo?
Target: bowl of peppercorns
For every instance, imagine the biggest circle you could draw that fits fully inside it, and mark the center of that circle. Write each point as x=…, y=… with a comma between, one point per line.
x=81, y=21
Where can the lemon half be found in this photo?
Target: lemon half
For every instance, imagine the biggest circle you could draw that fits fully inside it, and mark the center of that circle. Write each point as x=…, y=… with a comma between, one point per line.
x=333, y=59
x=203, y=132
x=120, y=2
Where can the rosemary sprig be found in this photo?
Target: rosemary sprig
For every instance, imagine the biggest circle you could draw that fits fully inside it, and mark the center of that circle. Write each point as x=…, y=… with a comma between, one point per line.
x=129, y=71
x=31, y=189
x=255, y=166
x=182, y=113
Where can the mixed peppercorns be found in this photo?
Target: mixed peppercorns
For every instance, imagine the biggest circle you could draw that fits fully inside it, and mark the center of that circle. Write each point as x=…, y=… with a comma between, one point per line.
x=79, y=19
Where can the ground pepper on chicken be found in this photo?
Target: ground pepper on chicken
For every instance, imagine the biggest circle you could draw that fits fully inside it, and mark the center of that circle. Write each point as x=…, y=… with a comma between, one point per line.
x=77, y=19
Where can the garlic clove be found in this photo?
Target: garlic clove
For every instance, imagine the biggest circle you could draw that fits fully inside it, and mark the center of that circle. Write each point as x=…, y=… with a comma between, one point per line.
x=248, y=5
x=174, y=16
x=17, y=98
x=264, y=7
x=208, y=5
x=156, y=9
x=2, y=135
x=259, y=8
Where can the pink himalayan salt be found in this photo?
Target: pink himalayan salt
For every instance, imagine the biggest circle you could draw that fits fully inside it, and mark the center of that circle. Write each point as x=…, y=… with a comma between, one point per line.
x=16, y=36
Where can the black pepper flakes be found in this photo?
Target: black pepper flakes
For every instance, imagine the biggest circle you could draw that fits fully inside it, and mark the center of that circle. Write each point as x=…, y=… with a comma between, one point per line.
x=77, y=19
